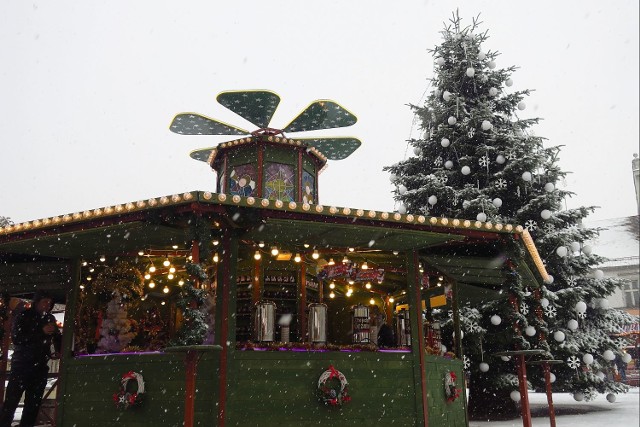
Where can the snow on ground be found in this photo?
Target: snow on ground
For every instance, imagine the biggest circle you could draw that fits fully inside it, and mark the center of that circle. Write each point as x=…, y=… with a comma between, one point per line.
x=624, y=412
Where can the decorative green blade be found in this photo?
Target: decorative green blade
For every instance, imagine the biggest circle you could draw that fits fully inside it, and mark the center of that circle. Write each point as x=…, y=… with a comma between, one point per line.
x=196, y=124
x=201, y=154
x=256, y=106
x=337, y=148
x=321, y=114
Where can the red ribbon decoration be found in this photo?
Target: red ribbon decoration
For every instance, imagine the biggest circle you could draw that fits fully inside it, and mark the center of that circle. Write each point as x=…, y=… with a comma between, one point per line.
x=333, y=372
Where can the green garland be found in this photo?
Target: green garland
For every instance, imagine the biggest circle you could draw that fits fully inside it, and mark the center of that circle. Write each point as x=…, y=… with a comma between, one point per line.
x=190, y=301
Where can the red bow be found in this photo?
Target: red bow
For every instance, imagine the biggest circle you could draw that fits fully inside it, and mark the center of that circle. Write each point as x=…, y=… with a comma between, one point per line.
x=333, y=372
x=453, y=375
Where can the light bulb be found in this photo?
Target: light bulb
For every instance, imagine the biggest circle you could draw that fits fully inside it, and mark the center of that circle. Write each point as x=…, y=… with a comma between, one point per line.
x=175, y=246
x=367, y=285
x=103, y=258
x=348, y=294
x=215, y=243
x=152, y=269
x=84, y=263
x=297, y=258
x=89, y=278
x=81, y=286
x=306, y=245
x=332, y=285
x=147, y=276
x=172, y=269
x=391, y=300
x=274, y=251
x=170, y=276
x=166, y=262
x=364, y=265
x=315, y=255
x=396, y=252
x=345, y=260
x=351, y=249
x=216, y=258
x=162, y=303
x=165, y=290
x=140, y=253
x=261, y=245
x=257, y=255
x=181, y=282
x=152, y=285
x=331, y=261
x=332, y=295
x=372, y=302
x=351, y=282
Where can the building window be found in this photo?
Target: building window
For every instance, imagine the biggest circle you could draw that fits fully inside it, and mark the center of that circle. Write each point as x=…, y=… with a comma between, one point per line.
x=631, y=293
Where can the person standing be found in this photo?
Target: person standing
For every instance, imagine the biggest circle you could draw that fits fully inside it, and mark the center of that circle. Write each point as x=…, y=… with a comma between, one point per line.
x=34, y=331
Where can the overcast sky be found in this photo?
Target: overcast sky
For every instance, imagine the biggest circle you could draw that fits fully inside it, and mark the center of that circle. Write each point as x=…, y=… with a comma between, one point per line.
x=88, y=89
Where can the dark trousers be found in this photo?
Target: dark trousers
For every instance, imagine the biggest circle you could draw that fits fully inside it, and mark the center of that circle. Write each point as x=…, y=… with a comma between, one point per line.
x=31, y=381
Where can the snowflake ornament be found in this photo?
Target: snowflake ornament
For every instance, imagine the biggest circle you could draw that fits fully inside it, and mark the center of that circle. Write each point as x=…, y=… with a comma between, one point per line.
x=466, y=363
x=573, y=362
x=442, y=179
x=550, y=311
x=549, y=228
x=621, y=343
x=530, y=225
x=484, y=161
x=474, y=327
x=438, y=161
x=510, y=155
x=572, y=281
x=501, y=184
x=524, y=309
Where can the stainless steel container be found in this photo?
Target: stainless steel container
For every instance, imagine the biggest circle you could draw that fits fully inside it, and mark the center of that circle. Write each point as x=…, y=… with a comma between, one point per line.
x=361, y=324
x=264, y=320
x=403, y=328
x=318, y=323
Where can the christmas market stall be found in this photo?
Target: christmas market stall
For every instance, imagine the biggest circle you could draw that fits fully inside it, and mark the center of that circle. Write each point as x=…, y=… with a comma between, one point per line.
x=256, y=304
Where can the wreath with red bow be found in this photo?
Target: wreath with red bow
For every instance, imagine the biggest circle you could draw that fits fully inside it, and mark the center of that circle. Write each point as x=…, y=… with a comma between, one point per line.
x=450, y=389
x=126, y=397
x=332, y=388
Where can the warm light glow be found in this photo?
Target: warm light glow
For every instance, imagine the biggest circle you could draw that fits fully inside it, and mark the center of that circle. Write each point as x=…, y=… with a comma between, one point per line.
x=306, y=245
x=257, y=255
x=162, y=303
x=332, y=285
x=345, y=260
x=89, y=278
x=216, y=258
x=372, y=302
x=351, y=282
x=165, y=290
x=315, y=255
x=103, y=258
x=332, y=295
x=216, y=243
x=140, y=253
x=368, y=285
x=331, y=261
x=152, y=285
x=175, y=246
x=81, y=286
x=152, y=269
x=170, y=276
x=172, y=269
x=166, y=262
x=181, y=282
x=364, y=265
x=274, y=251
x=391, y=300
x=396, y=252
x=297, y=258
x=351, y=249
x=147, y=276
x=84, y=263
x=261, y=244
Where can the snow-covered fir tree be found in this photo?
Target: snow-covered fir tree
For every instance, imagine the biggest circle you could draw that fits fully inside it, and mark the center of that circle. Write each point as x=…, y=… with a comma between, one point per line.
x=116, y=331
x=479, y=159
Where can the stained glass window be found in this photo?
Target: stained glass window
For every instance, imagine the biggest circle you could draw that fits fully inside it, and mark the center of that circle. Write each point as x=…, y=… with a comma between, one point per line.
x=279, y=183
x=308, y=188
x=242, y=180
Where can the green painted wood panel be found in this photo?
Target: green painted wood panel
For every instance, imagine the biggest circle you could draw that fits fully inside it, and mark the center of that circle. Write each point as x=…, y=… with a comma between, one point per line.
x=441, y=412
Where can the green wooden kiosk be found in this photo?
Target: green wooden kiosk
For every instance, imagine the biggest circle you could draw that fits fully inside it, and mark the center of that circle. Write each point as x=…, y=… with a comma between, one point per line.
x=265, y=242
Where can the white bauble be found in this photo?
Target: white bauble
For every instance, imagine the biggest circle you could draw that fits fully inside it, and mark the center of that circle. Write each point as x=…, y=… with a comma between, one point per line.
x=509, y=82
x=598, y=274
x=522, y=105
x=601, y=375
x=497, y=202
x=484, y=78
x=465, y=204
x=587, y=249
x=526, y=176
x=544, y=302
x=611, y=398
x=575, y=246
x=446, y=95
x=500, y=159
x=626, y=358
x=515, y=396
x=519, y=132
x=562, y=251
x=392, y=177
x=580, y=307
x=481, y=55
x=417, y=151
x=545, y=214
x=549, y=280
x=448, y=164
x=492, y=64
x=433, y=200
x=549, y=187
x=452, y=120
x=572, y=324
x=443, y=349
x=496, y=320
x=603, y=303
x=484, y=367
x=559, y=336
x=445, y=142
x=552, y=377
x=587, y=359
x=505, y=358
x=440, y=61
x=402, y=189
x=530, y=331
x=486, y=125
x=470, y=72
x=466, y=170
x=578, y=396
x=402, y=209
x=482, y=217
x=608, y=355
x=493, y=91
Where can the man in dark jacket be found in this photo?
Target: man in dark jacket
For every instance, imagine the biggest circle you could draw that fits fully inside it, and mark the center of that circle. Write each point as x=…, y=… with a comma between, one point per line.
x=385, y=333
x=34, y=331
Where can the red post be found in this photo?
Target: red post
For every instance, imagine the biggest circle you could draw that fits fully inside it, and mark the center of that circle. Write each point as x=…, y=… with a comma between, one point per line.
x=547, y=381
x=524, y=393
x=190, y=388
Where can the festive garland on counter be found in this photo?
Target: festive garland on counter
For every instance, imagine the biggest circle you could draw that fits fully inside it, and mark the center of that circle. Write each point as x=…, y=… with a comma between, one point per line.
x=289, y=346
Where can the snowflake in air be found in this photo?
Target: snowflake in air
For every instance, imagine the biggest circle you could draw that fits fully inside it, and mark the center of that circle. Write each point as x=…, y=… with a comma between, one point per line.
x=573, y=362
x=550, y=311
x=501, y=183
x=572, y=281
x=438, y=161
x=530, y=225
x=524, y=309
x=466, y=363
x=510, y=155
x=549, y=228
x=484, y=161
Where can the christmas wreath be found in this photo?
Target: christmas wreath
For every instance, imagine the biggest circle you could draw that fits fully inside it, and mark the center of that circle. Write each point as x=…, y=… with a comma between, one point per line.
x=125, y=398
x=332, y=388
x=450, y=389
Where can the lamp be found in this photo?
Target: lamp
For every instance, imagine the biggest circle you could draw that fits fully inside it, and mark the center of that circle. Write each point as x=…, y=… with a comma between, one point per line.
x=165, y=290
x=368, y=285
x=315, y=255
x=331, y=261
x=166, y=262
x=364, y=266
x=274, y=251
x=332, y=285
x=257, y=255
x=297, y=258
x=332, y=295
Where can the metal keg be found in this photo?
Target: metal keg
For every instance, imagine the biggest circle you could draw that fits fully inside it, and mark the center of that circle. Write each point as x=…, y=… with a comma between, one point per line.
x=318, y=323
x=264, y=320
x=361, y=324
x=403, y=328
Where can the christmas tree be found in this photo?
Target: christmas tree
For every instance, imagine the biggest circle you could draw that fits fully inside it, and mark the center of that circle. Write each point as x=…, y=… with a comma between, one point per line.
x=116, y=330
x=479, y=160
